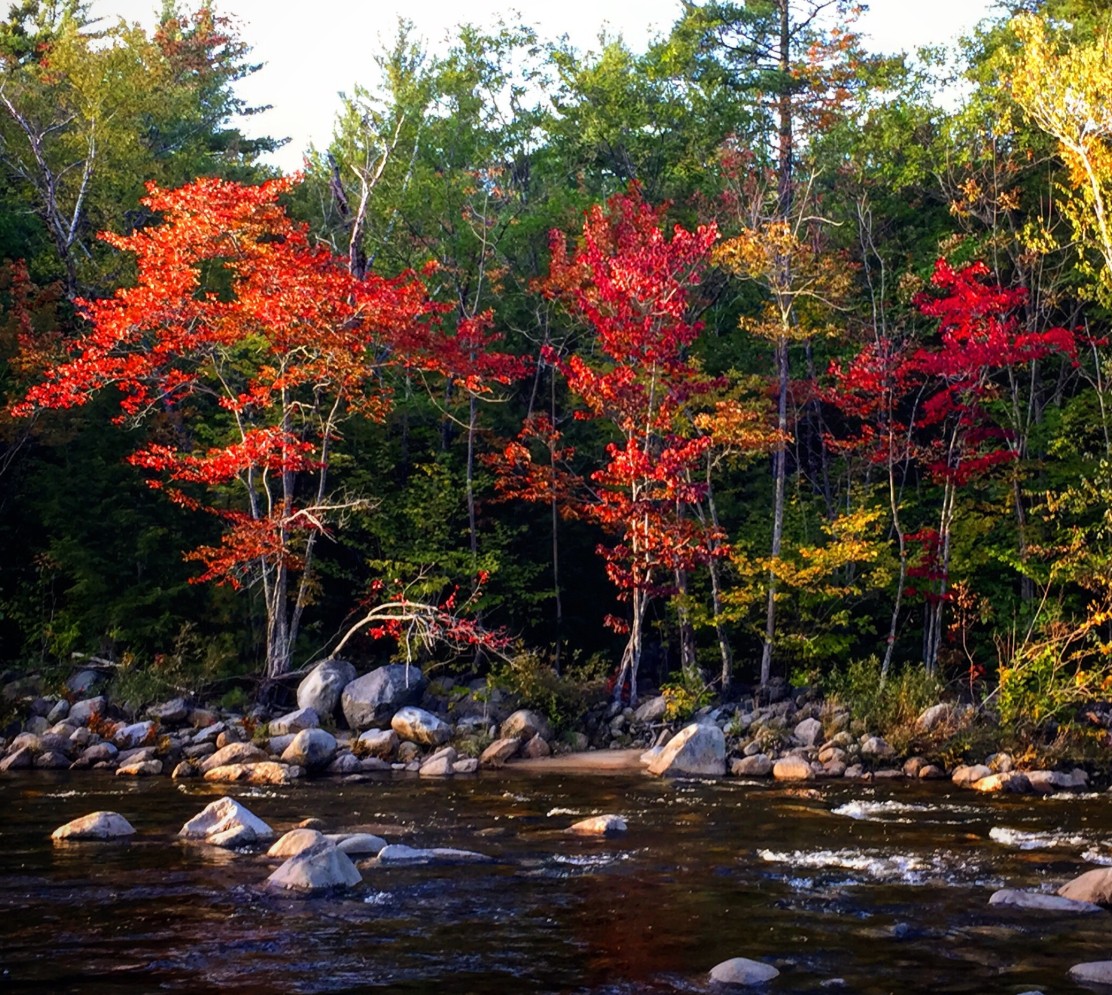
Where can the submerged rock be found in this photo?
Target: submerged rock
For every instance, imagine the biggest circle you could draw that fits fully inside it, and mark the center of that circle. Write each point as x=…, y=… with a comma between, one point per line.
x=1094, y=972
x=742, y=971
x=1041, y=902
x=359, y=844
x=599, y=825
x=397, y=854
x=95, y=826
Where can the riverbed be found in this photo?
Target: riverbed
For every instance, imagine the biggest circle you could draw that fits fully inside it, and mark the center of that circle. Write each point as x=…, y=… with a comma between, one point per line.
x=860, y=888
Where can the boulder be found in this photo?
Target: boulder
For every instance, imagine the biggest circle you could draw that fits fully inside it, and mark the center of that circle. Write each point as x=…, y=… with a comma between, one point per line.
x=742, y=971
x=344, y=764
x=1040, y=902
x=58, y=711
x=371, y=700
x=1012, y=782
x=651, y=710
x=322, y=686
x=20, y=759
x=440, y=764
x=932, y=772
x=135, y=735
x=599, y=825
x=234, y=753
x=1047, y=782
x=381, y=743
x=933, y=716
x=99, y=752
x=808, y=732
x=220, y=817
x=52, y=760
x=793, y=768
x=964, y=776
x=396, y=854
x=525, y=724
x=1093, y=886
x=699, y=750
x=184, y=770
x=294, y=722
x=170, y=713
x=320, y=867
x=359, y=844
x=875, y=746
x=293, y=842
x=757, y=765
x=1094, y=972
x=468, y=765
x=140, y=768
x=535, y=748
x=265, y=772
x=418, y=726
x=95, y=826
x=499, y=752
x=312, y=749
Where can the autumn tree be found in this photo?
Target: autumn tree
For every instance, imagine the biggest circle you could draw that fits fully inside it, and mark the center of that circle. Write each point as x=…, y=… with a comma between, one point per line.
x=244, y=347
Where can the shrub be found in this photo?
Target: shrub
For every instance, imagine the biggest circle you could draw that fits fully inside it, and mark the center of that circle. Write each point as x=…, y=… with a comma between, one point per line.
x=889, y=707
x=562, y=698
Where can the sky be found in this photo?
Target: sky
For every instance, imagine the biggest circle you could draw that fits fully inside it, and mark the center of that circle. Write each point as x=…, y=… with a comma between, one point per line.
x=313, y=51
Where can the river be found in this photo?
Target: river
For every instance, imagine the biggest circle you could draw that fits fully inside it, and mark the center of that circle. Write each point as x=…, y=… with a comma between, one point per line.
x=845, y=887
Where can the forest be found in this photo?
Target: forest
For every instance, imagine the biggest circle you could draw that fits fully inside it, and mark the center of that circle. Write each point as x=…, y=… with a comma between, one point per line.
x=753, y=355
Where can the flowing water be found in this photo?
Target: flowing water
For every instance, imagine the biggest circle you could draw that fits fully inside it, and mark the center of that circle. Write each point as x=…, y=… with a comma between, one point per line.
x=846, y=887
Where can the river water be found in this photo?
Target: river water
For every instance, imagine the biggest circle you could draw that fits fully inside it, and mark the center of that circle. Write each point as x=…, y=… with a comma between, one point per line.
x=847, y=887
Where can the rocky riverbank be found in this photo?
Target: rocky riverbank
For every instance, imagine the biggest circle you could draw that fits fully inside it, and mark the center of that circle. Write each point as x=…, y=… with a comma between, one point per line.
x=392, y=719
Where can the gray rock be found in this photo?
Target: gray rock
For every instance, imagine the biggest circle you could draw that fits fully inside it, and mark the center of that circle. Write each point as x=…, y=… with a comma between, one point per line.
x=264, y=772
x=499, y=752
x=651, y=709
x=294, y=722
x=964, y=776
x=370, y=701
x=1094, y=972
x=1014, y=782
x=184, y=770
x=599, y=825
x=525, y=724
x=95, y=826
x=440, y=764
x=323, y=685
x=345, y=763
x=321, y=867
x=359, y=844
x=84, y=680
x=808, y=732
x=140, y=768
x=698, y=750
x=223, y=815
x=396, y=854
x=276, y=745
x=234, y=753
x=1047, y=782
x=52, y=760
x=135, y=735
x=381, y=743
x=742, y=971
x=933, y=716
x=99, y=752
x=170, y=713
x=418, y=726
x=58, y=711
x=293, y=842
x=312, y=749
x=1093, y=886
x=21, y=759
x=875, y=746
x=756, y=765
x=535, y=748
x=468, y=765
x=1042, y=903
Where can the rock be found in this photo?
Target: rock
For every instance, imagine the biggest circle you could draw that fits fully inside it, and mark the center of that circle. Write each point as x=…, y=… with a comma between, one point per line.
x=808, y=732
x=932, y=772
x=52, y=760
x=373, y=765
x=293, y=842
x=536, y=748
x=198, y=751
x=651, y=710
x=1094, y=972
x=170, y=713
x=913, y=765
x=650, y=755
x=875, y=746
x=440, y=764
x=418, y=726
x=793, y=768
x=135, y=735
x=1093, y=886
x=84, y=680
x=756, y=765
x=468, y=765
x=371, y=700
x=599, y=825
x=381, y=743
x=323, y=685
x=499, y=752
x=234, y=753
x=20, y=759
x=408, y=753
x=933, y=716
x=1041, y=902
x=359, y=844
x=344, y=764
x=99, y=752
x=525, y=724
x=1000, y=763
x=321, y=867
x=58, y=711
x=184, y=770
x=294, y=722
x=698, y=750
x=140, y=768
x=1012, y=782
x=312, y=749
x=832, y=768
x=264, y=772
x=1046, y=782
x=965, y=776
x=220, y=817
x=742, y=971
x=396, y=854
x=95, y=826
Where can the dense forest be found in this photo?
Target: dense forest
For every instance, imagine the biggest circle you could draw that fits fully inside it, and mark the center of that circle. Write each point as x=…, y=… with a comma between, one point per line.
x=748, y=356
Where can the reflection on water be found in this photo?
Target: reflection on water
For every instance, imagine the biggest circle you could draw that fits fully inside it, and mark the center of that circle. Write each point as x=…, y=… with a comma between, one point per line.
x=848, y=888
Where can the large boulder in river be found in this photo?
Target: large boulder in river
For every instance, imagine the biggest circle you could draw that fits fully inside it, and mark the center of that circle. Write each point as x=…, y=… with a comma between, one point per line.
x=312, y=749
x=742, y=971
x=699, y=750
x=95, y=826
x=323, y=685
x=370, y=701
x=418, y=726
x=226, y=820
x=320, y=867
x=294, y=842
x=1093, y=886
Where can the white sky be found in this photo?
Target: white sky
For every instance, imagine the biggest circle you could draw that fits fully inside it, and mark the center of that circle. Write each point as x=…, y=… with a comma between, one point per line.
x=314, y=50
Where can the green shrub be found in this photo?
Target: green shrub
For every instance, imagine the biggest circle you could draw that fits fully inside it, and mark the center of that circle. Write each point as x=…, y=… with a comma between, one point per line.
x=888, y=707
x=684, y=697
x=562, y=698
